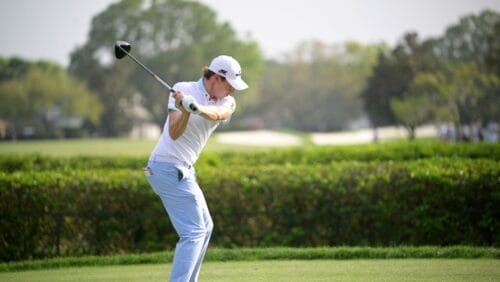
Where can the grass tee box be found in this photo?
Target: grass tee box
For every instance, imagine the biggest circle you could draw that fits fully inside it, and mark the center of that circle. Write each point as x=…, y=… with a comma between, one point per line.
x=289, y=271
x=277, y=264
x=264, y=254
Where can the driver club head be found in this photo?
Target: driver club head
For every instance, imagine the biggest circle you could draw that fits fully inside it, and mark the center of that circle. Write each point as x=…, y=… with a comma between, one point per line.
x=121, y=49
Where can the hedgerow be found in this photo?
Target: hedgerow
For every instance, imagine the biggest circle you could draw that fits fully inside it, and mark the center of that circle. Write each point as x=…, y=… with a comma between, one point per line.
x=397, y=151
x=432, y=201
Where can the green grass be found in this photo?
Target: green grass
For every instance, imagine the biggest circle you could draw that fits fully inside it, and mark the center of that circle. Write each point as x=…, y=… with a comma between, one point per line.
x=101, y=147
x=290, y=270
x=265, y=254
x=73, y=147
x=143, y=147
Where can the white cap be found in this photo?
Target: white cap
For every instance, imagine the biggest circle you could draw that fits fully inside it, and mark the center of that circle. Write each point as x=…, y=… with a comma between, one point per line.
x=228, y=67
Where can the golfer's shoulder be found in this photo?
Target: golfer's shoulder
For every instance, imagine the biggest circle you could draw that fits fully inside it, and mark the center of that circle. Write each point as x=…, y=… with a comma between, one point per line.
x=186, y=87
x=229, y=99
x=229, y=102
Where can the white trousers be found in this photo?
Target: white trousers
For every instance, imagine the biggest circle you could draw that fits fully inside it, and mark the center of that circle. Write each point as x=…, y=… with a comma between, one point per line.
x=188, y=211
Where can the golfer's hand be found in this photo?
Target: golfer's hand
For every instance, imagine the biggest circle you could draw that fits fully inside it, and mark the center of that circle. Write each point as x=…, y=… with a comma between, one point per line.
x=178, y=96
x=190, y=104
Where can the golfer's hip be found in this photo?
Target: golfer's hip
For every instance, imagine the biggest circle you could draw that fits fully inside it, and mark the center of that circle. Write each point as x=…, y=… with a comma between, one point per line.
x=170, y=178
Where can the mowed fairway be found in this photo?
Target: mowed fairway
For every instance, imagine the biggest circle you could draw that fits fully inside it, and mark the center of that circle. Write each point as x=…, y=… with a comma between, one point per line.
x=75, y=147
x=101, y=147
x=294, y=270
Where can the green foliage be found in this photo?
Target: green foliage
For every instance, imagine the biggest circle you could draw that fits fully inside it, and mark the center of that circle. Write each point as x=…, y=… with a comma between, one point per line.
x=42, y=97
x=412, y=111
x=447, y=79
x=416, y=193
x=468, y=39
x=79, y=212
x=14, y=68
x=326, y=79
x=393, y=151
x=445, y=201
x=492, y=58
x=392, y=76
x=265, y=254
x=457, y=94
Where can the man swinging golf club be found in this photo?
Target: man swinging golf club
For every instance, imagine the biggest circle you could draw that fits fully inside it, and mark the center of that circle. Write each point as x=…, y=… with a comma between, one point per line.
x=195, y=110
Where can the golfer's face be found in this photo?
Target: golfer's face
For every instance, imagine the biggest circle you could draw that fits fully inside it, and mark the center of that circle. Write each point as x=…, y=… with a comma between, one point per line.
x=224, y=87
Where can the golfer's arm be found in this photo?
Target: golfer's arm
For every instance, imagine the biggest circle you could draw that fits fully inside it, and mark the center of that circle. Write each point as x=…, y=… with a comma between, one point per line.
x=215, y=112
x=177, y=123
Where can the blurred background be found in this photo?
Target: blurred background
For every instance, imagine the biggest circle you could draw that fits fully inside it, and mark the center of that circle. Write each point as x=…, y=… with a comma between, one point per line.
x=376, y=69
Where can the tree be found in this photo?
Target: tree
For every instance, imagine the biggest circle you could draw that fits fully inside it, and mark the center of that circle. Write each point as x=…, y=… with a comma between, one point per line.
x=175, y=38
x=392, y=76
x=468, y=40
x=468, y=88
x=316, y=88
x=467, y=57
x=14, y=67
x=453, y=67
x=490, y=104
x=412, y=111
x=42, y=98
x=492, y=56
x=454, y=94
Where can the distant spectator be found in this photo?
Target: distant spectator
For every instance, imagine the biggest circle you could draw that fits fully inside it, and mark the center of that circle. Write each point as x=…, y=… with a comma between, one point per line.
x=492, y=135
x=465, y=133
x=475, y=132
x=375, y=135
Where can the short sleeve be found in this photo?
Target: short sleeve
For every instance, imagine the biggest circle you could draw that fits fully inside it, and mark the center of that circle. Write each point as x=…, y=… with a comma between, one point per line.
x=171, y=101
x=229, y=103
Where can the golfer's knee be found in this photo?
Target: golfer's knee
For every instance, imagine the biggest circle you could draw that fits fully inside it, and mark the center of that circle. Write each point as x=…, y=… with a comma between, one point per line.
x=210, y=227
x=196, y=235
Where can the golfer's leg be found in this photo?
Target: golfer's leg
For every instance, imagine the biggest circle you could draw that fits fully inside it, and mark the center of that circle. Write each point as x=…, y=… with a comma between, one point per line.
x=183, y=203
x=186, y=214
x=209, y=227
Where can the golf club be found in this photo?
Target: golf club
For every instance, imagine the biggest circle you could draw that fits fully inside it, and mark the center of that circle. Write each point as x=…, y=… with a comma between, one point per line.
x=122, y=48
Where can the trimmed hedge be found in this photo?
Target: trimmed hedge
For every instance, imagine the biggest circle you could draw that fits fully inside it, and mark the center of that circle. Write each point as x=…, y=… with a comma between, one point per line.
x=38, y=162
x=396, y=151
x=425, y=202
x=438, y=202
x=392, y=151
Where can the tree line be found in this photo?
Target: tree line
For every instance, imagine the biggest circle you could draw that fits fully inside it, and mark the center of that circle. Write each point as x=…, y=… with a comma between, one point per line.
x=452, y=79
x=40, y=99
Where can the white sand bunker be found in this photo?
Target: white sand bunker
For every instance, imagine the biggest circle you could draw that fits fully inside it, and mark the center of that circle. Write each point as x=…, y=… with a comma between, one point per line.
x=259, y=138
x=364, y=136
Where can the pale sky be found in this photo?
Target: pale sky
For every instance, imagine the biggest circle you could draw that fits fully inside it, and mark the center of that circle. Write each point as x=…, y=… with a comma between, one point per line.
x=51, y=29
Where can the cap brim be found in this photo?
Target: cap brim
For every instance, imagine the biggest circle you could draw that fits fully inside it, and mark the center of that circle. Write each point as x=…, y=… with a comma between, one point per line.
x=238, y=84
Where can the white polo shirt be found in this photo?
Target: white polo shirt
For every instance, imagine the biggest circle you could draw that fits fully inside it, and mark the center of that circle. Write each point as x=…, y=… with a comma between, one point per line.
x=187, y=148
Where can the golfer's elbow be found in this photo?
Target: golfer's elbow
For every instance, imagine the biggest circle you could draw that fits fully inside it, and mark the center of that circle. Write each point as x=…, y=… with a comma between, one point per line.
x=215, y=114
x=175, y=133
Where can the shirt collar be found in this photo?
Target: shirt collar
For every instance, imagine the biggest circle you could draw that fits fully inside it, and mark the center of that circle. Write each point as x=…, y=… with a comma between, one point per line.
x=201, y=87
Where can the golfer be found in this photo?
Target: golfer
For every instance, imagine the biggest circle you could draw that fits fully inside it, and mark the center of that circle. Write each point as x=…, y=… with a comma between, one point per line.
x=195, y=110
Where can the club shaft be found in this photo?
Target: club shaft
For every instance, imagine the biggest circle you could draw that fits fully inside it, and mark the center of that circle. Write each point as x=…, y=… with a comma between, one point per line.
x=148, y=70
